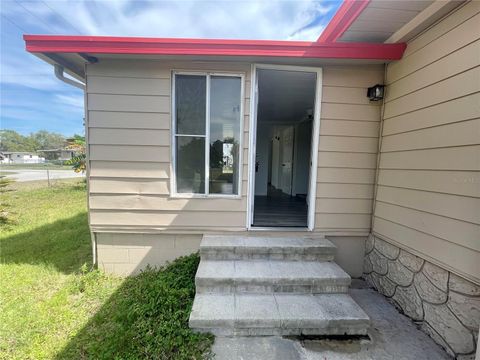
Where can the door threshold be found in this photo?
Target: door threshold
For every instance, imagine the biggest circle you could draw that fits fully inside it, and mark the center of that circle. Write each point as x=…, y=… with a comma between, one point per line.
x=279, y=228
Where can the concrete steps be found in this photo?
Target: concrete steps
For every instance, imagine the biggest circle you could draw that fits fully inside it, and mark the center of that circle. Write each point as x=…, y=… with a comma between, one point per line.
x=267, y=276
x=225, y=247
x=273, y=286
x=278, y=314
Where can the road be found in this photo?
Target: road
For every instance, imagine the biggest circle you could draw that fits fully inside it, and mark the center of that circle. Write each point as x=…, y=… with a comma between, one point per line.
x=34, y=175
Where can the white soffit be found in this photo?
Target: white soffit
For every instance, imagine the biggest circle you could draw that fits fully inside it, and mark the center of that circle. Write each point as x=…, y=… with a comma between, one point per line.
x=382, y=18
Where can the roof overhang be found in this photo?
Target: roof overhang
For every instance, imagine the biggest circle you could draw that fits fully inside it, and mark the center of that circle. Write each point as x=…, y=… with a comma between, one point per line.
x=380, y=21
x=71, y=51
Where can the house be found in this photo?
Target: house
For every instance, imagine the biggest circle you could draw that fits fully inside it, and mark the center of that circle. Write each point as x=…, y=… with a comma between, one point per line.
x=269, y=141
x=22, y=157
x=58, y=154
x=4, y=159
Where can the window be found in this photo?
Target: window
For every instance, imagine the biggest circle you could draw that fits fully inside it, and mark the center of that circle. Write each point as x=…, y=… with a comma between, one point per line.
x=207, y=129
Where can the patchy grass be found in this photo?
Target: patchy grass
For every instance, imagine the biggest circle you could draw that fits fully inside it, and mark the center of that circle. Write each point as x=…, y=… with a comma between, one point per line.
x=53, y=306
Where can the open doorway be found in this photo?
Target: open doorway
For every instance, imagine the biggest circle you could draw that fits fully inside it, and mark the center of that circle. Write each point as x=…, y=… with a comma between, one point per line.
x=283, y=150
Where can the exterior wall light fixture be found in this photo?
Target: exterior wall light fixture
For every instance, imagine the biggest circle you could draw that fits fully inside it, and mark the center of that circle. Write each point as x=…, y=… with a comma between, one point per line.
x=376, y=92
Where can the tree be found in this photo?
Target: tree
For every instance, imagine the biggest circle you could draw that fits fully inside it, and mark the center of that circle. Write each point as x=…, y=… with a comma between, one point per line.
x=44, y=140
x=41, y=140
x=79, y=161
x=13, y=141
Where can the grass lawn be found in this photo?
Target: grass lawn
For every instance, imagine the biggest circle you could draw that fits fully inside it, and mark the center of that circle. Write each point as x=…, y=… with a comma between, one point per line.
x=54, y=306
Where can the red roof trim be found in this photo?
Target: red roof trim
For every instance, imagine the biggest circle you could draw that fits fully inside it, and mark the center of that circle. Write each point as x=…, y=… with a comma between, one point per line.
x=342, y=19
x=210, y=47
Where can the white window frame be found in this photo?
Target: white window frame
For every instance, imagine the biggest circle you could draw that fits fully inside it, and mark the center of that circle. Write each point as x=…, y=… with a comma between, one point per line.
x=173, y=142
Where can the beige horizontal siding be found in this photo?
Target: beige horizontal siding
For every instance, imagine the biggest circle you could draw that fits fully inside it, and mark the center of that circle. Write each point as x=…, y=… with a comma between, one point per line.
x=129, y=186
x=129, y=121
x=140, y=103
x=344, y=95
x=456, y=134
x=459, y=61
x=461, y=85
x=352, y=76
x=342, y=221
x=162, y=203
x=463, y=183
x=128, y=86
x=129, y=169
x=168, y=219
x=347, y=149
x=428, y=197
x=448, y=254
x=344, y=206
x=455, y=110
x=344, y=191
x=460, y=15
x=129, y=137
x=352, y=144
x=348, y=127
x=463, y=34
x=355, y=112
x=130, y=153
x=452, y=158
x=460, y=232
x=449, y=205
x=347, y=160
x=149, y=69
x=345, y=175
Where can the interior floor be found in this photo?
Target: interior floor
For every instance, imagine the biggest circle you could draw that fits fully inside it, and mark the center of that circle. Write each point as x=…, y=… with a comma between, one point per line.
x=278, y=209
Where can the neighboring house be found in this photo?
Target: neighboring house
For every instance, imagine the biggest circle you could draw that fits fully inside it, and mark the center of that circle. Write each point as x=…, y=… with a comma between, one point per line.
x=58, y=154
x=22, y=157
x=4, y=159
x=192, y=137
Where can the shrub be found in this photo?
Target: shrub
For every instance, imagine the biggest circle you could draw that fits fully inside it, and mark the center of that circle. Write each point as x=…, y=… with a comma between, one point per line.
x=147, y=318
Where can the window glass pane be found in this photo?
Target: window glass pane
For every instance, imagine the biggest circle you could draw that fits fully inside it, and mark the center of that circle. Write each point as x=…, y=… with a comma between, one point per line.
x=190, y=103
x=224, y=134
x=190, y=164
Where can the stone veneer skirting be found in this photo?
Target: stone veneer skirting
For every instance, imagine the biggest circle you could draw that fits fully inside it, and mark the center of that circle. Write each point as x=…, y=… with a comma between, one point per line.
x=445, y=306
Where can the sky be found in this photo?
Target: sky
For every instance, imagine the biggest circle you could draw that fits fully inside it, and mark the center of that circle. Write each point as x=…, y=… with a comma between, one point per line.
x=32, y=99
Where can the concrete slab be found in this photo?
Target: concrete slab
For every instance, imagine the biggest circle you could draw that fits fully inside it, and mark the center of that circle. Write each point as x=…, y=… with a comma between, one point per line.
x=214, y=311
x=256, y=311
x=299, y=311
x=255, y=348
x=392, y=336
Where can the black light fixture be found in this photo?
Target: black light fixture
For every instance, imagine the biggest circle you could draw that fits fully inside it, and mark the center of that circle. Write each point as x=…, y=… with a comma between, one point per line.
x=376, y=92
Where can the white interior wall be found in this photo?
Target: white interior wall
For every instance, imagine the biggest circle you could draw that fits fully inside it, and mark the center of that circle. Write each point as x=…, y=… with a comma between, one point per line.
x=275, y=158
x=264, y=135
x=301, y=162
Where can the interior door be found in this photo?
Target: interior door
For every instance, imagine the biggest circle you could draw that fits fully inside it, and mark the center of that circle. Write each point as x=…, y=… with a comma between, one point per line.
x=287, y=159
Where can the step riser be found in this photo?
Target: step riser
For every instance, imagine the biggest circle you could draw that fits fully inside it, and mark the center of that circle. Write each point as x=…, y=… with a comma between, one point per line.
x=253, y=254
x=332, y=330
x=222, y=288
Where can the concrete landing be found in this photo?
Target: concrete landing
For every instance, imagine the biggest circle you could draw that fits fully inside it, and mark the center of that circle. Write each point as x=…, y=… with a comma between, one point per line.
x=391, y=336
